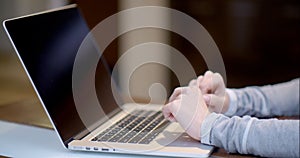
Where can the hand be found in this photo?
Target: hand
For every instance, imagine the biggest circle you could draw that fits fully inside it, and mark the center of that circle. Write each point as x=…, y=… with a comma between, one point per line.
x=187, y=107
x=213, y=88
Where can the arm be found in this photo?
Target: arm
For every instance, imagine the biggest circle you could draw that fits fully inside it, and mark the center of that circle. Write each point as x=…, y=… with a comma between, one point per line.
x=266, y=101
x=246, y=135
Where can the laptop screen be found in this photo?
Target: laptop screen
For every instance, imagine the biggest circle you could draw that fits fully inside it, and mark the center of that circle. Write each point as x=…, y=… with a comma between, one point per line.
x=47, y=44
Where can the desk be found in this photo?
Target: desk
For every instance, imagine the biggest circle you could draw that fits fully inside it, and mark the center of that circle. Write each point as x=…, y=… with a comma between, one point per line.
x=26, y=132
x=19, y=140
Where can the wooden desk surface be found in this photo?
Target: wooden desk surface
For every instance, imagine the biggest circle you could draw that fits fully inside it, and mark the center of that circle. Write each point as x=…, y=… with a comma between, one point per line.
x=18, y=102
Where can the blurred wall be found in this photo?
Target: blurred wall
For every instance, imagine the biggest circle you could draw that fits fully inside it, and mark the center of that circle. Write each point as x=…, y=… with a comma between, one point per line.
x=150, y=81
x=141, y=82
x=258, y=39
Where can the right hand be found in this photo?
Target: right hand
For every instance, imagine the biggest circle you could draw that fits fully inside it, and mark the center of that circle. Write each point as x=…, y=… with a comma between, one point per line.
x=213, y=87
x=187, y=107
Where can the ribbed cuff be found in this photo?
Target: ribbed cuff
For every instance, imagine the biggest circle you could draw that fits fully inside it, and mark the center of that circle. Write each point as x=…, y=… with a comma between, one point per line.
x=232, y=103
x=207, y=126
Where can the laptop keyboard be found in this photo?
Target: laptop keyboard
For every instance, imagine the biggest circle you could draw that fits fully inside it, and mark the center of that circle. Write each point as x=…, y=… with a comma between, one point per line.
x=140, y=127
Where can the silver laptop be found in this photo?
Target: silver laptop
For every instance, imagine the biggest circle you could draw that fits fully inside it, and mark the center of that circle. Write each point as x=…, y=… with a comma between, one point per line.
x=46, y=44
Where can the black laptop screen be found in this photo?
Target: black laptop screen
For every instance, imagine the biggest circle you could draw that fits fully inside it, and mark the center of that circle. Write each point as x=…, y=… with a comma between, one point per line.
x=47, y=44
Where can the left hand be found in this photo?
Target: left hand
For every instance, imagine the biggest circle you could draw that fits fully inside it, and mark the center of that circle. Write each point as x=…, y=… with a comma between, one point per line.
x=187, y=107
x=213, y=89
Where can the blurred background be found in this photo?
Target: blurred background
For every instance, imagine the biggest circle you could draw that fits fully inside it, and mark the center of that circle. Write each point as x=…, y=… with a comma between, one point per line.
x=259, y=41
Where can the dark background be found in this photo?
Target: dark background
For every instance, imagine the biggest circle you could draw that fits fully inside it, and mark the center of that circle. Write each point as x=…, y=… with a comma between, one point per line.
x=258, y=39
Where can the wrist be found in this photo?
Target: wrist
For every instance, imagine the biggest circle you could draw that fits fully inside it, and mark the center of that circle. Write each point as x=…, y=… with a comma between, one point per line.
x=232, y=102
x=207, y=126
x=226, y=103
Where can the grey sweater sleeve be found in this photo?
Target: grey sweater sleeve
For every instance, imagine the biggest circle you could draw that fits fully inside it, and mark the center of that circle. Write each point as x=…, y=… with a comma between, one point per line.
x=247, y=135
x=266, y=101
x=263, y=137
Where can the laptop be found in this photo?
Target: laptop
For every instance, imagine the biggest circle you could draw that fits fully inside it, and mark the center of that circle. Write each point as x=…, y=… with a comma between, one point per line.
x=47, y=44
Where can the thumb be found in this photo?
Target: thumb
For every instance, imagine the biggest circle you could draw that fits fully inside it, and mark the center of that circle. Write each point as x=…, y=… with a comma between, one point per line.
x=167, y=112
x=207, y=98
x=214, y=102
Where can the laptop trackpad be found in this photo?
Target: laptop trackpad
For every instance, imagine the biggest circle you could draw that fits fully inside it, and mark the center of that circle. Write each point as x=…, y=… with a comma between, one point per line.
x=182, y=140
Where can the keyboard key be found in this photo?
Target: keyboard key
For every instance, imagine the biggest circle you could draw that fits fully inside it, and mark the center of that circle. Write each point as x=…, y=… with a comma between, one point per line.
x=155, y=133
x=134, y=128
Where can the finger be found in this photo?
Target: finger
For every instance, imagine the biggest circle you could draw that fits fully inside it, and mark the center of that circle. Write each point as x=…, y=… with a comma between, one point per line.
x=208, y=73
x=193, y=82
x=214, y=102
x=205, y=84
x=206, y=98
x=199, y=80
x=167, y=112
x=218, y=85
x=213, y=83
x=177, y=92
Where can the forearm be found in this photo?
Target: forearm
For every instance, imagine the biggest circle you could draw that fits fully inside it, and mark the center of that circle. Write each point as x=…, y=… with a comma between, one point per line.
x=246, y=135
x=266, y=101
